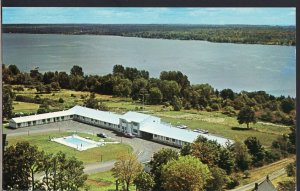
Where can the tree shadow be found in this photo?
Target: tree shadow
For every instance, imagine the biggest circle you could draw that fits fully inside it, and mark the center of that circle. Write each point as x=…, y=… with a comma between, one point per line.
x=241, y=129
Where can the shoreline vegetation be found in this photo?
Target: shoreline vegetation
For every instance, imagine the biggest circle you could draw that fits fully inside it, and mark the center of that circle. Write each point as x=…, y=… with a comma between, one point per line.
x=240, y=34
x=171, y=90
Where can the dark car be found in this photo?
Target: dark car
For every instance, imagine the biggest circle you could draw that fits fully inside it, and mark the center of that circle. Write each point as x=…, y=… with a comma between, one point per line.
x=101, y=135
x=129, y=135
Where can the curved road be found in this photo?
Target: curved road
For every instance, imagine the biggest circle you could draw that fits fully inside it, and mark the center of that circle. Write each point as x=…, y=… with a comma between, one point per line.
x=142, y=148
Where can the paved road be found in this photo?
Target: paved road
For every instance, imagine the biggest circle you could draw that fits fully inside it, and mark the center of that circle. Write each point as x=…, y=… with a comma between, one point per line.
x=142, y=148
x=252, y=184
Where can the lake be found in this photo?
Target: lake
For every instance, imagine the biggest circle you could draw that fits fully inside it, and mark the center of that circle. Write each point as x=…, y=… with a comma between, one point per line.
x=223, y=65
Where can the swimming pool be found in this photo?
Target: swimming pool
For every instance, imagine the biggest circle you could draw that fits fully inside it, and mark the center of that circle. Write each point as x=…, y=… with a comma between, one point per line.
x=77, y=142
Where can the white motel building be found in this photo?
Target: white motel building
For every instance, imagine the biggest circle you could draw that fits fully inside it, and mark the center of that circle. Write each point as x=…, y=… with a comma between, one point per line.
x=139, y=124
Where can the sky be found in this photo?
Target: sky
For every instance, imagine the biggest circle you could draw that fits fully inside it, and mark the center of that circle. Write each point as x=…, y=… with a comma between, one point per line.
x=51, y=15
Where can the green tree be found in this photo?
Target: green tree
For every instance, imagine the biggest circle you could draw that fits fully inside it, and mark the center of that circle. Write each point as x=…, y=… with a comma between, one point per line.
x=118, y=69
x=14, y=70
x=19, y=164
x=206, y=151
x=144, y=181
x=122, y=87
x=91, y=102
x=126, y=169
x=241, y=155
x=63, y=80
x=226, y=160
x=176, y=103
x=256, y=150
x=46, y=168
x=227, y=94
x=77, y=71
x=158, y=160
x=186, y=149
x=291, y=169
x=246, y=115
x=218, y=180
x=155, y=96
x=287, y=105
x=185, y=173
x=77, y=82
x=74, y=174
x=169, y=89
x=35, y=163
x=7, y=102
x=138, y=86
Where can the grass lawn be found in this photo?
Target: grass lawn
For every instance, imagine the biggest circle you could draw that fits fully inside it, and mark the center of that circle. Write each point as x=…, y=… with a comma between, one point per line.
x=25, y=107
x=103, y=181
x=219, y=124
x=261, y=172
x=108, y=152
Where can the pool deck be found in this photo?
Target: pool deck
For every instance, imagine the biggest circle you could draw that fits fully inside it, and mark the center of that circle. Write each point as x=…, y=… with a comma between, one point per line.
x=62, y=140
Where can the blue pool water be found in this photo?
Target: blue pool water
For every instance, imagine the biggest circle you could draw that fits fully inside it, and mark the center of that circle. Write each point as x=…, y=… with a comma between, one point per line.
x=78, y=142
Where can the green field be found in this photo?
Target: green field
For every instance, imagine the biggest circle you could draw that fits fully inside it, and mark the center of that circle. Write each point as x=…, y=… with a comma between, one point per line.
x=215, y=122
x=108, y=152
x=24, y=107
x=102, y=181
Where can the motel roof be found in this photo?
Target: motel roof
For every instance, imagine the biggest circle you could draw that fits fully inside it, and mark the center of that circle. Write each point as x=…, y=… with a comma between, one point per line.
x=179, y=134
x=41, y=116
x=105, y=116
x=135, y=116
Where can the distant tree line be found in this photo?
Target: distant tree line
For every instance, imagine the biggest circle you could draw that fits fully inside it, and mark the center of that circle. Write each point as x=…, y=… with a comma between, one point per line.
x=172, y=88
x=246, y=34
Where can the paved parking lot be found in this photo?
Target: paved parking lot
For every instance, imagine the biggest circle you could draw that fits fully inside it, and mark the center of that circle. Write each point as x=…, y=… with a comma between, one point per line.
x=142, y=148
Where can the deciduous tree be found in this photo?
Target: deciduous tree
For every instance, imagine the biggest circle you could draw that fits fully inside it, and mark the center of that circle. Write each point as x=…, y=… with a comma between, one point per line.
x=159, y=159
x=246, y=115
x=144, y=181
x=126, y=169
x=185, y=173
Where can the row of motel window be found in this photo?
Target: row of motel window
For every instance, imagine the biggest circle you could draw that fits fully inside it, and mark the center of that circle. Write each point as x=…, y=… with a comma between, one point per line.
x=46, y=120
x=105, y=123
x=167, y=139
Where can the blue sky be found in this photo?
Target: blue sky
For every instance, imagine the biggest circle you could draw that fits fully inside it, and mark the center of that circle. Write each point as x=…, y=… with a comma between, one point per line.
x=252, y=16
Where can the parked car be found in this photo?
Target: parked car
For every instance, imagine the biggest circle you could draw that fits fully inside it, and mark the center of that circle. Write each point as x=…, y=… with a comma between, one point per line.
x=129, y=135
x=183, y=127
x=201, y=131
x=103, y=135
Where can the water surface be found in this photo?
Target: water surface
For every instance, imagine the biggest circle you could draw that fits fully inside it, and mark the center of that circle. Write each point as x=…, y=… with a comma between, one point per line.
x=223, y=65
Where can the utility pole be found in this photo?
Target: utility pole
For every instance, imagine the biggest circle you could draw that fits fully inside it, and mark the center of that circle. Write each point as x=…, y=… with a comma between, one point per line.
x=143, y=92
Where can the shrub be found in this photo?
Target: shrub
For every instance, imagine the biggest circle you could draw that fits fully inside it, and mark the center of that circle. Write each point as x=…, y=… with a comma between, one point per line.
x=233, y=181
x=61, y=100
x=215, y=107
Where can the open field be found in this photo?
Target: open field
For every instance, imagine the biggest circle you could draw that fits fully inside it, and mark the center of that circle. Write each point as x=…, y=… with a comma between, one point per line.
x=107, y=152
x=24, y=107
x=215, y=122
